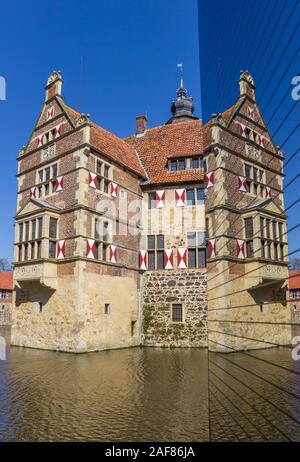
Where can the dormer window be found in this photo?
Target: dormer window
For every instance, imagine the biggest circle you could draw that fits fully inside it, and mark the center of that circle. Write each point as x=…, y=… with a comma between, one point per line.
x=177, y=164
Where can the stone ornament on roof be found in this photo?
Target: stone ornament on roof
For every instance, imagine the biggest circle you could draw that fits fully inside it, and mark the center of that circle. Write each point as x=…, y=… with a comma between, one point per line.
x=83, y=119
x=56, y=75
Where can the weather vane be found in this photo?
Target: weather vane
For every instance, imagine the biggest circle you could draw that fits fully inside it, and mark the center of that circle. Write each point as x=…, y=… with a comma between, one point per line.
x=180, y=66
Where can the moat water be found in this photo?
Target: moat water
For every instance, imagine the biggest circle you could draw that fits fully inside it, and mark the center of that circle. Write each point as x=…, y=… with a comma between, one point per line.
x=149, y=394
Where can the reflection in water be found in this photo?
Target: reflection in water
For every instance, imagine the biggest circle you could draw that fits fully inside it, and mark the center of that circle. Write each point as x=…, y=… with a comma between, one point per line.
x=134, y=394
x=148, y=394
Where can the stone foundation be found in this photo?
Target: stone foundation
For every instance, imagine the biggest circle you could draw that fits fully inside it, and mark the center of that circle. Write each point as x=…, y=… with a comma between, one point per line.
x=160, y=290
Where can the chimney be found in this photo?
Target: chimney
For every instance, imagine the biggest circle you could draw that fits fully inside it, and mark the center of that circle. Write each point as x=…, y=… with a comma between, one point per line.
x=247, y=87
x=54, y=85
x=141, y=124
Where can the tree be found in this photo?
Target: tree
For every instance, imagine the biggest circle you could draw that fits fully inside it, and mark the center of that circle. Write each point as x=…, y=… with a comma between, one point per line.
x=5, y=265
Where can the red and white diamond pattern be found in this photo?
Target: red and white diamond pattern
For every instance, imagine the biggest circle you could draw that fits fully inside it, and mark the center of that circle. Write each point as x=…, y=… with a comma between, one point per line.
x=114, y=189
x=209, y=179
x=243, y=130
x=251, y=112
x=61, y=247
x=168, y=259
x=182, y=258
x=268, y=192
x=261, y=141
x=93, y=180
x=143, y=259
x=112, y=254
x=59, y=184
x=242, y=182
x=40, y=140
x=180, y=197
x=33, y=193
x=50, y=113
x=212, y=251
x=240, y=248
x=57, y=131
x=90, y=248
x=160, y=199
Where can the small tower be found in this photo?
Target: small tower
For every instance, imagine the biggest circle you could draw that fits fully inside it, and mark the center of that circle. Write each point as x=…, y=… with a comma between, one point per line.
x=183, y=107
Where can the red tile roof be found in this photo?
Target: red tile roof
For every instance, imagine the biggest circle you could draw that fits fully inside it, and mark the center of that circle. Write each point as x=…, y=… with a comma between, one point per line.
x=157, y=145
x=116, y=149
x=6, y=280
x=294, y=280
x=110, y=145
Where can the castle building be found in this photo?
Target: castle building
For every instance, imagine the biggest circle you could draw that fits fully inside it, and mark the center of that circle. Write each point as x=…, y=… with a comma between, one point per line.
x=175, y=236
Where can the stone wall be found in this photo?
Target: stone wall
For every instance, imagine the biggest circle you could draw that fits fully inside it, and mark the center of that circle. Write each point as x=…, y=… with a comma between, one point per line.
x=5, y=314
x=163, y=288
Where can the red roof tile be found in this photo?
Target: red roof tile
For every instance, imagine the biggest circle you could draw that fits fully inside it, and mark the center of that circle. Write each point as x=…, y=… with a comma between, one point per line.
x=294, y=280
x=157, y=145
x=6, y=280
x=116, y=149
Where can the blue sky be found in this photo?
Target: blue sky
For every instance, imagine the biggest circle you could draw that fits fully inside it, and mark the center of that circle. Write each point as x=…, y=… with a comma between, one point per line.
x=118, y=59
x=262, y=36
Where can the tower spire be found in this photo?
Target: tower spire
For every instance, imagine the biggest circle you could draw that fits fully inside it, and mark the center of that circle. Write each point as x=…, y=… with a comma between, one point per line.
x=180, y=67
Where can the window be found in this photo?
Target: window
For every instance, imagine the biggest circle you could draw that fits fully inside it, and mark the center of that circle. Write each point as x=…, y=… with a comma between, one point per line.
x=52, y=249
x=280, y=229
x=177, y=312
x=177, y=164
x=3, y=294
x=33, y=226
x=190, y=196
x=200, y=196
x=195, y=162
x=40, y=227
x=249, y=227
x=262, y=247
x=20, y=232
x=39, y=249
x=248, y=171
x=40, y=307
x=294, y=294
x=249, y=236
x=19, y=253
x=48, y=177
x=262, y=227
x=32, y=251
x=173, y=165
x=152, y=200
x=155, y=247
x=27, y=231
x=107, y=308
x=102, y=235
x=53, y=228
x=26, y=252
x=274, y=223
x=249, y=249
x=254, y=179
x=196, y=243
